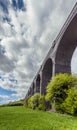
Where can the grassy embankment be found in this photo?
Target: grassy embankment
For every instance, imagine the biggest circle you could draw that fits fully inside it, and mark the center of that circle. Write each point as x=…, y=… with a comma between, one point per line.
x=19, y=118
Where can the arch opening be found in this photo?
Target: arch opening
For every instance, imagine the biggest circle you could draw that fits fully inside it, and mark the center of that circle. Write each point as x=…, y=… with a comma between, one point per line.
x=46, y=75
x=66, y=48
x=74, y=63
x=38, y=84
x=33, y=89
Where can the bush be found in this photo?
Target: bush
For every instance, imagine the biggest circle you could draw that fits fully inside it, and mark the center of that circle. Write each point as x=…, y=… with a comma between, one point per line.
x=42, y=103
x=37, y=101
x=70, y=103
x=29, y=103
x=57, y=89
x=42, y=107
x=33, y=101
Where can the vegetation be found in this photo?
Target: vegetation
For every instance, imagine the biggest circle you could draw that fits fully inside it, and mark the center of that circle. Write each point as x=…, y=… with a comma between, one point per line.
x=62, y=93
x=20, y=118
x=42, y=103
x=37, y=101
x=70, y=103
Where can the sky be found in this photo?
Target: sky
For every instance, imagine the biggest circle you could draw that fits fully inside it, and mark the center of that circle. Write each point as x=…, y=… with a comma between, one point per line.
x=27, y=30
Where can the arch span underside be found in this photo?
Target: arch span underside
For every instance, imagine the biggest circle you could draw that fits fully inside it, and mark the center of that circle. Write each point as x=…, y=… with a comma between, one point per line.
x=33, y=88
x=66, y=48
x=46, y=75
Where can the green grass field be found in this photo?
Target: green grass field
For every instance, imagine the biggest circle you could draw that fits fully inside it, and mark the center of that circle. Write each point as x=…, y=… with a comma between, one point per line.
x=20, y=118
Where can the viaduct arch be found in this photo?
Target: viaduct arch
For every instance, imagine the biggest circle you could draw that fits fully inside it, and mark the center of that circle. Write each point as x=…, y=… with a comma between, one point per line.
x=58, y=59
x=38, y=84
x=66, y=47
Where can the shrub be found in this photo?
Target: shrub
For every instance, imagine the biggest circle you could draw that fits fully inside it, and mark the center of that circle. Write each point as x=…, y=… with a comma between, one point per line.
x=37, y=101
x=42, y=107
x=33, y=101
x=70, y=103
x=42, y=103
x=29, y=102
x=57, y=89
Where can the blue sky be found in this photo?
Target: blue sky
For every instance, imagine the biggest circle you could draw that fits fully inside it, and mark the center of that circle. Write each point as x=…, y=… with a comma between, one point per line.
x=6, y=92
x=27, y=30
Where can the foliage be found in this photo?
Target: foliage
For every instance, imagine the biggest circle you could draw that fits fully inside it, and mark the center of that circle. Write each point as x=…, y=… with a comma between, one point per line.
x=33, y=101
x=57, y=89
x=70, y=103
x=29, y=103
x=16, y=103
x=37, y=101
x=42, y=103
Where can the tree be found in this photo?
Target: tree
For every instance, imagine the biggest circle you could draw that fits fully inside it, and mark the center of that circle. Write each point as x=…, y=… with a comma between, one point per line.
x=58, y=87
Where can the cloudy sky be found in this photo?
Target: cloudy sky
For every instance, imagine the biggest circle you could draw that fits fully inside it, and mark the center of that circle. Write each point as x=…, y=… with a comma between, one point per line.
x=27, y=29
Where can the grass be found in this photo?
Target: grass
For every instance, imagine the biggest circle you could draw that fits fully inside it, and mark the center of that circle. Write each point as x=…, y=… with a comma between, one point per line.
x=20, y=118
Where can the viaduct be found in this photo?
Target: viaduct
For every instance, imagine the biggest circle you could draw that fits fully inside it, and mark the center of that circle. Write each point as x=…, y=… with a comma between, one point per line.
x=58, y=59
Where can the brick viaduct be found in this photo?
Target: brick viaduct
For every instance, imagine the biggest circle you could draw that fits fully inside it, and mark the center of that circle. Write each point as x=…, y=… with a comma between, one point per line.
x=58, y=59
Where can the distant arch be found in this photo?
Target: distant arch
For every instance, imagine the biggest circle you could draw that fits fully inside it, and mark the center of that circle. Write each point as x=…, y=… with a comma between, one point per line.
x=38, y=83
x=74, y=63
x=33, y=88
x=46, y=74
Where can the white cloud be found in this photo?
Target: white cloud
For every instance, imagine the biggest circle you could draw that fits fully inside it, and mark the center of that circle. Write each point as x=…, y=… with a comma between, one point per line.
x=4, y=99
